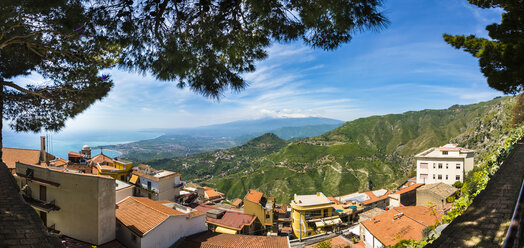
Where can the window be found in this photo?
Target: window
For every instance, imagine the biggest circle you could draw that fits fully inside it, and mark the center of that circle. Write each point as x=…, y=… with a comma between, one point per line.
x=458, y=166
x=43, y=193
x=444, y=152
x=446, y=165
x=446, y=177
x=313, y=213
x=433, y=176
x=123, y=178
x=433, y=165
x=423, y=176
x=440, y=165
x=148, y=185
x=267, y=216
x=439, y=177
x=457, y=177
x=423, y=165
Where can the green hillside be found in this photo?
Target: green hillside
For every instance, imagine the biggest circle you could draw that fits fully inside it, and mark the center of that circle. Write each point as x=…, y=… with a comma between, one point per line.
x=366, y=153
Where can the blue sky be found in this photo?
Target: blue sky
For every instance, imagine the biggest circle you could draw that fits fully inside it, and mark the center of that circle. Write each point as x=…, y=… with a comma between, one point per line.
x=404, y=67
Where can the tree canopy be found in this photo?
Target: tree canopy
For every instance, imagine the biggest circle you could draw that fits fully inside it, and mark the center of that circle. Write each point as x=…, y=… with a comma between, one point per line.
x=48, y=38
x=501, y=58
x=205, y=45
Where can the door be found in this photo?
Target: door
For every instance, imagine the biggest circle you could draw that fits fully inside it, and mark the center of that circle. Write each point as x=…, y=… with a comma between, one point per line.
x=43, y=193
x=148, y=185
x=43, y=217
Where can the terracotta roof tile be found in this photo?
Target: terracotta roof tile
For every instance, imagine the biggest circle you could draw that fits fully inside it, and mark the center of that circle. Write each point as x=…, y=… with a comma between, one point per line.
x=407, y=189
x=221, y=240
x=141, y=215
x=401, y=223
x=101, y=158
x=211, y=193
x=441, y=189
x=254, y=196
x=237, y=202
x=12, y=155
x=231, y=219
x=75, y=154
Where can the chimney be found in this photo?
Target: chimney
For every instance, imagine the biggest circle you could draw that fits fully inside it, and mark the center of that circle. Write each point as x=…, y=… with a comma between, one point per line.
x=42, y=150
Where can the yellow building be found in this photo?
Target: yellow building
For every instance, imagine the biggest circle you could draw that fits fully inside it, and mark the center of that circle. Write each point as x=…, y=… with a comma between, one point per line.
x=117, y=169
x=262, y=207
x=312, y=214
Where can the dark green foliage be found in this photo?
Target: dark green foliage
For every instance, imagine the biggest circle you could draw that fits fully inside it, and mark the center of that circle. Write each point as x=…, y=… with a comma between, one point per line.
x=207, y=44
x=501, y=58
x=457, y=184
x=518, y=111
x=39, y=37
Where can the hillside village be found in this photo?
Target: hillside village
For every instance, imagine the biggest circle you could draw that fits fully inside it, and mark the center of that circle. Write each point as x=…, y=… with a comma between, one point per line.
x=107, y=202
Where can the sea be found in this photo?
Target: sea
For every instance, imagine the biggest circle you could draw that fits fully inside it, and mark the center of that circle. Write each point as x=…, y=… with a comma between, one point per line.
x=59, y=144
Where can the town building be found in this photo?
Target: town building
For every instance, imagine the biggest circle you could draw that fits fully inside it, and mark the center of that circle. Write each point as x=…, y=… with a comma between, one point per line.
x=229, y=221
x=237, y=203
x=27, y=156
x=142, y=222
x=255, y=203
x=69, y=203
x=406, y=196
x=210, y=239
x=312, y=214
x=397, y=224
x=436, y=193
x=446, y=164
x=117, y=169
x=123, y=190
x=212, y=195
x=367, y=200
x=156, y=184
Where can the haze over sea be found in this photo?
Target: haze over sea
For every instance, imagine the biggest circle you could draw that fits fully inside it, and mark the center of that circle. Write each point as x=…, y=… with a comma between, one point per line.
x=62, y=143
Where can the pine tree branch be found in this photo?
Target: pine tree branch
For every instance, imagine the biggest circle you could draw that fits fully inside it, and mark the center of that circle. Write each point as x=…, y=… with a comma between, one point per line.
x=24, y=90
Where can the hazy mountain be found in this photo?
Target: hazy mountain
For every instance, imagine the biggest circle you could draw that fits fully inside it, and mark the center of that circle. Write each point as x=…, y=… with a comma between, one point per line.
x=182, y=142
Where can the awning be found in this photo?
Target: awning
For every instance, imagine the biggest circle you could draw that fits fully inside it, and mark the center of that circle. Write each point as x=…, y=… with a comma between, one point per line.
x=133, y=179
x=225, y=230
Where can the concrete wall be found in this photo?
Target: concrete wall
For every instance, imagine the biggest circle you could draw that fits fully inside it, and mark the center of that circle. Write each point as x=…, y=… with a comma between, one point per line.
x=143, y=183
x=87, y=203
x=424, y=197
x=409, y=198
x=172, y=229
x=167, y=190
x=125, y=236
x=369, y=240
x=394, y=200
x=123, y=193
x=451, y=171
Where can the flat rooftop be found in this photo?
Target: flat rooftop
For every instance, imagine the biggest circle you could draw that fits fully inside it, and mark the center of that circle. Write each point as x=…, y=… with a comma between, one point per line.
x=453, y=151
x=311, y=200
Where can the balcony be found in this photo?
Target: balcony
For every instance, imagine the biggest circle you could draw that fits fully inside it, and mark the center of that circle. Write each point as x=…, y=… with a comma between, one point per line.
x=41, y=205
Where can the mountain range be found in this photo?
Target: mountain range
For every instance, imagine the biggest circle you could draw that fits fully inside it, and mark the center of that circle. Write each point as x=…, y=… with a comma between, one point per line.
x=182, y=142
x=367, y=153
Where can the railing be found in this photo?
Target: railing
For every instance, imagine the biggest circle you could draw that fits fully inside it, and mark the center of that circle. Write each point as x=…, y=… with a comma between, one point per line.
x=515, y=229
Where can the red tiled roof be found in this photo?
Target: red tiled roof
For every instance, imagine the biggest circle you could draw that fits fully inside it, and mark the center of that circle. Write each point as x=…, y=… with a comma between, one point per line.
x=407, y=189
x=12, y=155
x=337, y=241
x=101, y=158
x=211, y=193
x=374, y=198
x=231, y=219
x=254, y=196
x=236, y=202
x=221, y=240
x=401, y=223
x=75, y=154
x=141, y=215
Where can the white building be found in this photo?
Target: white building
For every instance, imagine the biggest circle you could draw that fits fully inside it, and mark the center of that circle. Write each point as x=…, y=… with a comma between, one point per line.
x=142, y=222
x=446, y=164
x=156, y=184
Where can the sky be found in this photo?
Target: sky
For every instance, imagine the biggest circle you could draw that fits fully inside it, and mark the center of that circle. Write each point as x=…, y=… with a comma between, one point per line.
x=405, y=67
